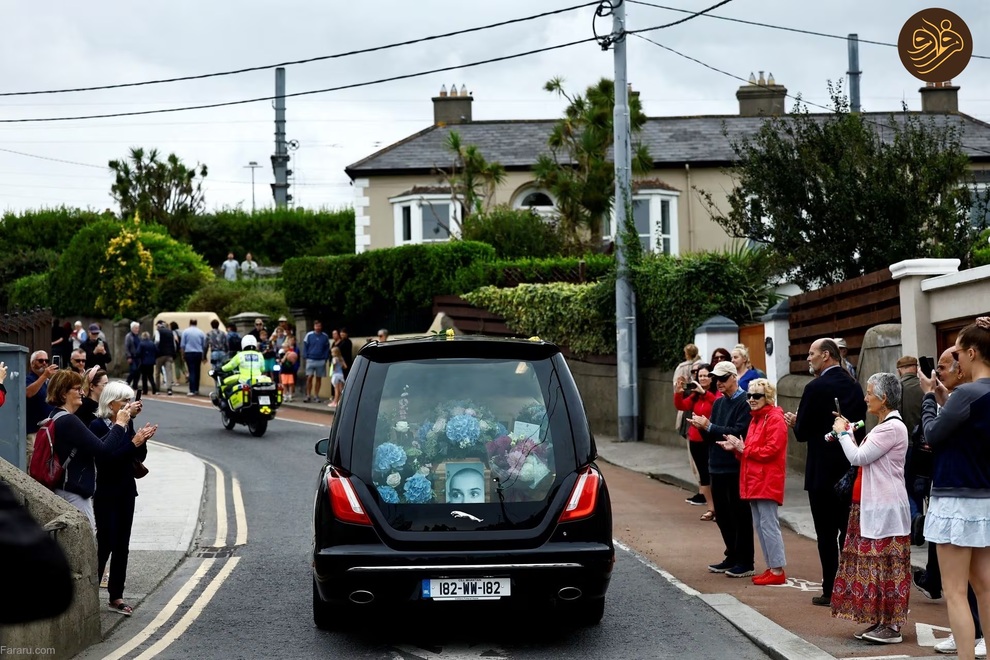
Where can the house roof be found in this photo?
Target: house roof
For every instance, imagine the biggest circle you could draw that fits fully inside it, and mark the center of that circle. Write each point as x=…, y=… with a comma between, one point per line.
x=672, y=141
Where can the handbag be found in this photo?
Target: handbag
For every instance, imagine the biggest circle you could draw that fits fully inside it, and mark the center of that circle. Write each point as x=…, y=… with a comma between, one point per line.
x=140, y=469
x=844, y=486
x=685, y=424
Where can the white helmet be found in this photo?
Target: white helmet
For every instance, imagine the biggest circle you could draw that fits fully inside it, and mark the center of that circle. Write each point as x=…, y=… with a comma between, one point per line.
x=249, y=342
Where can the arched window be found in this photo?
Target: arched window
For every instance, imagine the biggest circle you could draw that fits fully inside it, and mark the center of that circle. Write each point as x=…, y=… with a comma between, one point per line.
x=535, y=199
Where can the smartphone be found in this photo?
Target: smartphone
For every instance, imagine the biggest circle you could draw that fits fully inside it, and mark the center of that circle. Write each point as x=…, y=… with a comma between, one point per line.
x=927, y=365
x=837, y=408
x=137, y=395
x=57, y=361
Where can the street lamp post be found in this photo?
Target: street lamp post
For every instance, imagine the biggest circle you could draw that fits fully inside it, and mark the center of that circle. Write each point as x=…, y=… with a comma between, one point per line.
x=253, y=165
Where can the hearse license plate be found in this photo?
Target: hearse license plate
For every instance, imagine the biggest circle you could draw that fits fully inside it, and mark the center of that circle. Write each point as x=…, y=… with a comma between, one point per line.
x=265, y=400
x=466, y=588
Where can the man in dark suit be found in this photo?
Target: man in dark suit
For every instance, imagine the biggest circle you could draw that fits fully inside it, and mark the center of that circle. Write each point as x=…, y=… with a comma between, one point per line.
x=826, y=463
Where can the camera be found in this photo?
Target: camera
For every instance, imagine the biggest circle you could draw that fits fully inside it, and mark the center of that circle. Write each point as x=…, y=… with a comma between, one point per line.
x=689, y=388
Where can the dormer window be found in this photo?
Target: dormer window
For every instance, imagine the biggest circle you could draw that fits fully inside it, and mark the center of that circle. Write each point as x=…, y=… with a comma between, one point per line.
x=424, y=215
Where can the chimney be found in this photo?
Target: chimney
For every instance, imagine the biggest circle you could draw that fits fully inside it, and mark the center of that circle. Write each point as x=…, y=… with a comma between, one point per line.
x=452, y=108
x=940, y=98
x=761, y=96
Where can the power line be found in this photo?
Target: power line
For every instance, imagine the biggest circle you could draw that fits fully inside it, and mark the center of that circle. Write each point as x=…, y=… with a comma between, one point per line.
x=790, y=96
x=258, y=99
x=773, y=27
x=55, y=160
x=693, y=15
x=308, y=60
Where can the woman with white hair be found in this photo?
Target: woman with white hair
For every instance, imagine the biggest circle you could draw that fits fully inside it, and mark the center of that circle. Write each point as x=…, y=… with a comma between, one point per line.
x=874, y=577
x=116, y=490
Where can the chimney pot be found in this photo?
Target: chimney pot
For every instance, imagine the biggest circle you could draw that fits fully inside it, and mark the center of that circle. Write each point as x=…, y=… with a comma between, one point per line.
x=770, y=79
x=443, y=90
x=761, y=80
x=752, y=78
x=464, y=91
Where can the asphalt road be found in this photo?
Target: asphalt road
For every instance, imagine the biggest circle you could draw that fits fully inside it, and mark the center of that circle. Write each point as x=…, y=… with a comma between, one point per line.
x=255, y=601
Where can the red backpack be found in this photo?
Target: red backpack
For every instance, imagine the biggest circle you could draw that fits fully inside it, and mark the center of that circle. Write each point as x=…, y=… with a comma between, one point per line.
x=45, y=466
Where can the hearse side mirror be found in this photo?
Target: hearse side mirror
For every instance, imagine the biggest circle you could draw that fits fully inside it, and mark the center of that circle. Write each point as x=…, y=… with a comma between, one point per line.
x=322, y=446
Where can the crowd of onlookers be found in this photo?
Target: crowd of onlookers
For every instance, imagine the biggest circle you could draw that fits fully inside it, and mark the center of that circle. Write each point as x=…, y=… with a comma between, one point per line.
x=921, y=473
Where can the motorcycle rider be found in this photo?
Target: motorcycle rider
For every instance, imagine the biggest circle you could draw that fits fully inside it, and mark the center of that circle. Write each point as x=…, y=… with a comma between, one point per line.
x=250, y=365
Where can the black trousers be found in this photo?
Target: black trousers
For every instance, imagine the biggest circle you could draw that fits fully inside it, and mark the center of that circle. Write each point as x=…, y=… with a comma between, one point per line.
x=193, y=361
x=114, y=517
x=734, y=519
x=831, y=517
x=147, y=378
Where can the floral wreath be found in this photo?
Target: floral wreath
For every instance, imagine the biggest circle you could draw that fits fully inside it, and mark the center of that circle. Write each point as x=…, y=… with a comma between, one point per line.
x=405, y=458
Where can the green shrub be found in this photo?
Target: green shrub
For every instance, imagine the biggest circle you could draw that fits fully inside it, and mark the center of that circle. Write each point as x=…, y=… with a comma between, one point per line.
x=45, y=228
x=514, y=233
x=29, y=291
x=230, y=298
x=566, y=314
x=76, y=281
x=674, y=295
x=272, y=235
x=17, y=263
x=981, y=249
x=509, y=272
x=365, y=288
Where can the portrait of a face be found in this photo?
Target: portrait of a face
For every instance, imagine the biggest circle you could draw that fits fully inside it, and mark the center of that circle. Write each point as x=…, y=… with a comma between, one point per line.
x=466, y=485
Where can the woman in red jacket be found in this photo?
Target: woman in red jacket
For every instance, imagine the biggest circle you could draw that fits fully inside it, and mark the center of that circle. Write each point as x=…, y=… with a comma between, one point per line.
x=763, y=468
x=697, y=397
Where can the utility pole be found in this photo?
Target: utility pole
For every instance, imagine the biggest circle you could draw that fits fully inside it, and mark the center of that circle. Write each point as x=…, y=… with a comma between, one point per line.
x=625, y=297
x=253, y=165
x=280, y=160
x=853, y=72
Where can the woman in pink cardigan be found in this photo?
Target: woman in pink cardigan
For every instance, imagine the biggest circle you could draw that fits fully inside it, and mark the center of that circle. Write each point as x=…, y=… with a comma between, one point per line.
x=874, y=576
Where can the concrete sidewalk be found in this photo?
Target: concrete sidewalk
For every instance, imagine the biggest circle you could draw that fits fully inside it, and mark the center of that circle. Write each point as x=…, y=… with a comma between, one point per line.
x=670, y=465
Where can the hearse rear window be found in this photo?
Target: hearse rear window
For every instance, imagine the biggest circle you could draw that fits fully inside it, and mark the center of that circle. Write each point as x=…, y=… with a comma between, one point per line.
x=466, y=431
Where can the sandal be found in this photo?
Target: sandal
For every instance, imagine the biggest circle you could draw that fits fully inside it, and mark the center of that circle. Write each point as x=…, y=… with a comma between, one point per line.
x=708, y=515
x=121, y=607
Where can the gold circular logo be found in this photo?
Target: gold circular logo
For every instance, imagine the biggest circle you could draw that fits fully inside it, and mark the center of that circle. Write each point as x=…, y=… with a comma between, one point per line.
x=935, y=45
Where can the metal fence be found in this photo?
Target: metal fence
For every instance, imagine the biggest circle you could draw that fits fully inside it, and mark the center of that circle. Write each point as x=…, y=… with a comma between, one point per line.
x=31, y=328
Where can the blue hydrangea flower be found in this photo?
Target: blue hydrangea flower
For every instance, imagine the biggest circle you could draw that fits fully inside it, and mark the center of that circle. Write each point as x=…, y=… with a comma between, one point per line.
x=418, y=489
x=500, y=430
x=388, y=494
x=463, y=430
x=389, y=456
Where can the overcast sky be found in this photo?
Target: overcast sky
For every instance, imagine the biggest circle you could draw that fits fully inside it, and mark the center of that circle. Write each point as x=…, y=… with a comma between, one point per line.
x=118, y=41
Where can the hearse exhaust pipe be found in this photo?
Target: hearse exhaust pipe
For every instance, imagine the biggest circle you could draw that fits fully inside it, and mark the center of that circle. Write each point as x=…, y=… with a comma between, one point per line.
x=361, y=597
x=569, y=593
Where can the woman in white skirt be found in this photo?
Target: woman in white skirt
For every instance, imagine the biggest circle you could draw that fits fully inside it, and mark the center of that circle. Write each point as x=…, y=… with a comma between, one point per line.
x=958, y=517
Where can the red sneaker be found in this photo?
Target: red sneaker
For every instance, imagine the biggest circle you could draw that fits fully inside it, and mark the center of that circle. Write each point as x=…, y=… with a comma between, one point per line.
x=756, y=578
x=770, y=579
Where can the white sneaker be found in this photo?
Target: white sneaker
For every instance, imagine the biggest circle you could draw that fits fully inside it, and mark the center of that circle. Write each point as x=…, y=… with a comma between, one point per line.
x=948, y=645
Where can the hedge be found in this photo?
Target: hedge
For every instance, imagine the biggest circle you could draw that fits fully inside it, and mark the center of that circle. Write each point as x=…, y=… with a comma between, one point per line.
x=674, y=295
x=272, y=235
x=514, y=233
x=264, y=296
x=362, y=289
x=510, y=272
x=30, y=291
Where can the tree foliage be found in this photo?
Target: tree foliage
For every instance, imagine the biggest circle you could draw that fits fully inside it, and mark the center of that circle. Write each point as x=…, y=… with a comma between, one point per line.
x=578, y=170
x=514, y=233
x=839, y=195
x=472, y=178
x=164, y=192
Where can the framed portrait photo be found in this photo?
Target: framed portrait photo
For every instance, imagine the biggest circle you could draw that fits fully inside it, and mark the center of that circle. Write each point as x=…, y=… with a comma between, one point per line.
x=464, y=481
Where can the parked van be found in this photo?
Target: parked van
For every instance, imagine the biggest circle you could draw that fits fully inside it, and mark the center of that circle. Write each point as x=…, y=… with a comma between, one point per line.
x=203, y=321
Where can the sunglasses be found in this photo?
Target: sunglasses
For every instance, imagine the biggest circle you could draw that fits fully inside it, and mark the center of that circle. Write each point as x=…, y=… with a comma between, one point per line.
x=755, y=395
x=40, y=361
x=79, y=361
x=722, y=378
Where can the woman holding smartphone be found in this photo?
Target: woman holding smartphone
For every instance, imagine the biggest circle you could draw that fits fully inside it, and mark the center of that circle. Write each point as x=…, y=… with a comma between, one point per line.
x=115, y=487
x=697, y=398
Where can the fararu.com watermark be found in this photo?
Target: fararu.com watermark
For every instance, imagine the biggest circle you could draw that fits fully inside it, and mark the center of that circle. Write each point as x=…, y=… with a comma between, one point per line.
x=26, y=650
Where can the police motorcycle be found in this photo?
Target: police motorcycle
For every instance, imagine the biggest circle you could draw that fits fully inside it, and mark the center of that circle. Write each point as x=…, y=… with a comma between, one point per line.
x=243, y=394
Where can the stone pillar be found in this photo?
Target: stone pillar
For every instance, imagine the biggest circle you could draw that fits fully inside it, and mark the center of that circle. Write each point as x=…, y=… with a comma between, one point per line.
x=777, y=341
x=718, y=331
x=917, y=331
x=244, y=322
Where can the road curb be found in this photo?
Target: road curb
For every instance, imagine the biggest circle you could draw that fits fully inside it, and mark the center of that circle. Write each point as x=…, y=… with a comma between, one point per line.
x=776, y=641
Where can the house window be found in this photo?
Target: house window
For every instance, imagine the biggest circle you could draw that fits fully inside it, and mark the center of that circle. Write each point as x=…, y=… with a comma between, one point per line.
x=535, y=200
x=655, y=215
x=424, y=218
x=436, y=221
x=979, y=209
x=406, y=223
